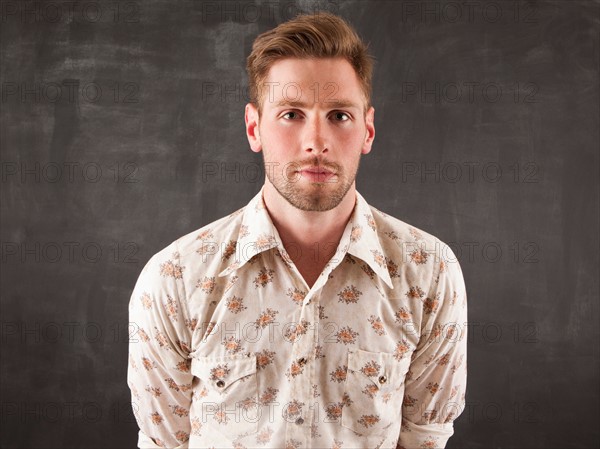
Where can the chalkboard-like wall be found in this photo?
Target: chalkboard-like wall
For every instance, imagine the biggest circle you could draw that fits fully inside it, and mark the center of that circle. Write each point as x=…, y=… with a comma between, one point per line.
x=122, y=130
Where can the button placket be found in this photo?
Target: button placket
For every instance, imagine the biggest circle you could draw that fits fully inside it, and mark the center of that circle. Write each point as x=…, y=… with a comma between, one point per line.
x=301, y=386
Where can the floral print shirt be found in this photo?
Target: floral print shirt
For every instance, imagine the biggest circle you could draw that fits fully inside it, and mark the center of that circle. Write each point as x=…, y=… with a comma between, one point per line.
x=230, y=348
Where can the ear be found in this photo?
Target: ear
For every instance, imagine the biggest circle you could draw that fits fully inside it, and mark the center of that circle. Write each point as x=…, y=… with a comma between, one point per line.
x=370, y=135
x=252, y=128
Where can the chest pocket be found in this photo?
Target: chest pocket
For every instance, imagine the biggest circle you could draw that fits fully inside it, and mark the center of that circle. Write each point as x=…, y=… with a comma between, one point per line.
x=227, y=394
x=373, y=392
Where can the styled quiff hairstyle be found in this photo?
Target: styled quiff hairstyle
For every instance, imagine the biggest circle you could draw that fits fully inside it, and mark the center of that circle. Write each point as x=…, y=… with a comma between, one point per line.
x=320, y=35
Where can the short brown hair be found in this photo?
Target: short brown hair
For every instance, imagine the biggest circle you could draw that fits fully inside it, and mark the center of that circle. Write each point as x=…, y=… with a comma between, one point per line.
x=320, y=35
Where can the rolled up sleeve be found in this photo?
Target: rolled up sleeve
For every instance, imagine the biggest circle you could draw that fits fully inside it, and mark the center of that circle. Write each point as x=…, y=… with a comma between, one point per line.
x=436, y=382
x=158, y=373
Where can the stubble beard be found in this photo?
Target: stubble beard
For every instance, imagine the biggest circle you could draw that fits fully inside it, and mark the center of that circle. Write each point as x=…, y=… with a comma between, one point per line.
x=317, y=196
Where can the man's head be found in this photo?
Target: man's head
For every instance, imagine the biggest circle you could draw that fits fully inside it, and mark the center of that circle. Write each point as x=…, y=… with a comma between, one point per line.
x=322, y=35
x=313, y=123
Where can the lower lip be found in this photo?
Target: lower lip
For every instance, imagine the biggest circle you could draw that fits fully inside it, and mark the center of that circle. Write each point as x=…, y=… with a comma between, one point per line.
x=317, y=177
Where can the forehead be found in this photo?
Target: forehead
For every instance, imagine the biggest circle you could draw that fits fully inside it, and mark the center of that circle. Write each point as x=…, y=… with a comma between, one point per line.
x=313, y=80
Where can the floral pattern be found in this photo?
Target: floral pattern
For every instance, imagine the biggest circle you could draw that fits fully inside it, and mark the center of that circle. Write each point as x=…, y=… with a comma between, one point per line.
x=279, y=347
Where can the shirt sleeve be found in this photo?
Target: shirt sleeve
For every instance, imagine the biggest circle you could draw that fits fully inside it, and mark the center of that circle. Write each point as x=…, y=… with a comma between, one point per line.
x=435, y=385
x=158, y=373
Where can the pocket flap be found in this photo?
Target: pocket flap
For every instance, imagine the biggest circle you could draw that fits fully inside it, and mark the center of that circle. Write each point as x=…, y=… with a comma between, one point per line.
x=381, y=368
x=373, y=391
x=221, y=372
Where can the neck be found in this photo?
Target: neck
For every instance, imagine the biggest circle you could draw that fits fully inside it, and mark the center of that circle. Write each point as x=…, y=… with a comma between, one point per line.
x=308, y=231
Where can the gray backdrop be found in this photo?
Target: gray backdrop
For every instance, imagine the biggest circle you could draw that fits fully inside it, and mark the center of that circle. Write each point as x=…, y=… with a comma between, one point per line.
x=122, y=130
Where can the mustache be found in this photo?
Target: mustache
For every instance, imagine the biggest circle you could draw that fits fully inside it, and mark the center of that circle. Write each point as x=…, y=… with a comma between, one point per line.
x=317, y=162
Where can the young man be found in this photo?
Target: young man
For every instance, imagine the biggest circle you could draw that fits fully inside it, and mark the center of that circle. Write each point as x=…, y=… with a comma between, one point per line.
x=306, y=319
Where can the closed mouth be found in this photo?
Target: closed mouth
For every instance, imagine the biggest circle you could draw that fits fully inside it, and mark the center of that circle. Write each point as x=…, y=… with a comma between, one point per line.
x=316, y=170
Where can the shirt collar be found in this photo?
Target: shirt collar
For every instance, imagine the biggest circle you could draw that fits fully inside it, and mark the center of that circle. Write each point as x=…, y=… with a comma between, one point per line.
x=257, y=233
x=362, y=239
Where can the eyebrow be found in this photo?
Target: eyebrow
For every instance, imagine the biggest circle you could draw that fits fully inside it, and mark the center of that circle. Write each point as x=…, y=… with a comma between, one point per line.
x=342, y=103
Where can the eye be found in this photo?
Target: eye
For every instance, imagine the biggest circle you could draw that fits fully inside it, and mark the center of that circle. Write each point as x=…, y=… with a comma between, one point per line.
x=341, y=116
x=292, y=115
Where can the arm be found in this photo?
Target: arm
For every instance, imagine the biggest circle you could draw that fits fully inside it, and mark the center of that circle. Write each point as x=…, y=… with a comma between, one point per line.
x=435, y=386
x=158, y=372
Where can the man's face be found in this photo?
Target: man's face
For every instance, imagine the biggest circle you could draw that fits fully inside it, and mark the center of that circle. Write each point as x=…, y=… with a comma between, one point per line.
x=312, y=131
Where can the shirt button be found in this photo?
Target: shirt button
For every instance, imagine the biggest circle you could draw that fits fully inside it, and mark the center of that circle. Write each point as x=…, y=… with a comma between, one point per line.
x=220, y=384
x=302, y=361
x=382, y=379
x=299, y=421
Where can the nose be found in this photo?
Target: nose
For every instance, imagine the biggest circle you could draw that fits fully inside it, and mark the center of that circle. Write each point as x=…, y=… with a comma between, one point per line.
x=315, y=138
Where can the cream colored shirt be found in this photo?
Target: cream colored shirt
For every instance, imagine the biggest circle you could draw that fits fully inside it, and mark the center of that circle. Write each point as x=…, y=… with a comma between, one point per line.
x=230, y=348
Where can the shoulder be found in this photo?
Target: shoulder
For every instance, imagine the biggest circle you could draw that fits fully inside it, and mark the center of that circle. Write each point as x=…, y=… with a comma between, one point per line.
x=425, y=262
x=410, y=245
x=207, y=242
